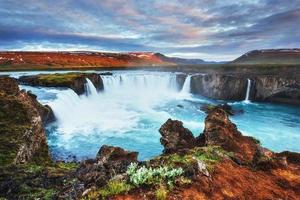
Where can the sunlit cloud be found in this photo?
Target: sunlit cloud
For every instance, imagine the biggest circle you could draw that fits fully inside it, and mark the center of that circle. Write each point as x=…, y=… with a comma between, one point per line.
x=206, y=29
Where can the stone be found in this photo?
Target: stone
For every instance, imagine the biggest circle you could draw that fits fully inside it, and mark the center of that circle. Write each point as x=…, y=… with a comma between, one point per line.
x=175, y=137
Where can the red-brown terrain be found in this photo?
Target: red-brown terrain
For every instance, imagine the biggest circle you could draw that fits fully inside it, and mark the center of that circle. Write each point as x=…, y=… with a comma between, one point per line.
x=53, y=60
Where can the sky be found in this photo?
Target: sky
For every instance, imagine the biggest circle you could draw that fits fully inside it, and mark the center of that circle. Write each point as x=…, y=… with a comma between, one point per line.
x=213, y=30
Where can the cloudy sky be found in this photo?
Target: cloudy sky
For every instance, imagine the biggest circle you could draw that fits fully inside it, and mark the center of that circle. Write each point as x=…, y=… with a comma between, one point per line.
x=207, y=29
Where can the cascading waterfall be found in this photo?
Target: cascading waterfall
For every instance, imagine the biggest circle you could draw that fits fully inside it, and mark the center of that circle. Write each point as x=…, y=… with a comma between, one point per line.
x=90, y=88
x=130, y=110
x=248, y=90
x=186, y=89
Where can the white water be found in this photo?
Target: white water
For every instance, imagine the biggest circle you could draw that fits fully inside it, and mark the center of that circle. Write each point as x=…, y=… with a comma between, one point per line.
x=248, y=90
x=90, y=88
x=125, y=99
x=186, y=89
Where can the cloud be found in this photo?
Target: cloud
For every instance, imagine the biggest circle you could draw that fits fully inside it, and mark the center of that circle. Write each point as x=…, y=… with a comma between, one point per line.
x=214, y=29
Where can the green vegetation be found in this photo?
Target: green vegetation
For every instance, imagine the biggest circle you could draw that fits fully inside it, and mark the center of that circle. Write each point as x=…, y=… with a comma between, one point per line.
x=152, y=176
x=161, y=193
x=113, y=188
x=211, y=155
x=58, y=79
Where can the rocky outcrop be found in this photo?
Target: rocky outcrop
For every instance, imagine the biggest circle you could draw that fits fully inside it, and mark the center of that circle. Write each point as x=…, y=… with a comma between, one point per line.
x=22, y=134
x=74, y=81
x=110, y=161
x=175, y=137
x=207, y=108
x=219, y=86
x=220, y=131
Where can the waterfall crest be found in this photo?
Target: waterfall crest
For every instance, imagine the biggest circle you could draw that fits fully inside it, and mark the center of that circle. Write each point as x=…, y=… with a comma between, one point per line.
x=248, y=90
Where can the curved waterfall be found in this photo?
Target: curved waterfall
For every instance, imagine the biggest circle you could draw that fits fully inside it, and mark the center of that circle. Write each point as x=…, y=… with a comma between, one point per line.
x=90, y=88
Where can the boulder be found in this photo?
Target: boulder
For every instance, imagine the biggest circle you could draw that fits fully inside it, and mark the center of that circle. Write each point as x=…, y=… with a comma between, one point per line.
x=175, y=137
x=110, y=161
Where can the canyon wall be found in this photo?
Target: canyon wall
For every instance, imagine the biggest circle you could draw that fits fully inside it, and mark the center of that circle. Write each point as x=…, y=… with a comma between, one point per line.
x=271, y=88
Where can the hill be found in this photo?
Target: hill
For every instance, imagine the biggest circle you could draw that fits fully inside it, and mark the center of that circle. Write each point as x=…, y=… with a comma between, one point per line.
x=270, y=56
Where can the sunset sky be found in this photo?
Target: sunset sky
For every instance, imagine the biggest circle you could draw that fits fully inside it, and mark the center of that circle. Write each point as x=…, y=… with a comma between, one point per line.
x=207, y=29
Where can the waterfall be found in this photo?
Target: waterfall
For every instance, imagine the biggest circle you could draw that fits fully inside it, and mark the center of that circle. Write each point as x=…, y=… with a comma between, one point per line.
x=248, y=90
x=186, y=89
x=118, y=107
x=90, y=88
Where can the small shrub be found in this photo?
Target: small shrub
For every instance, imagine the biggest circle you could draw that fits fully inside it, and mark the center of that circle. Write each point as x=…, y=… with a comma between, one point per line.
x=161, y=193
x=152, y=176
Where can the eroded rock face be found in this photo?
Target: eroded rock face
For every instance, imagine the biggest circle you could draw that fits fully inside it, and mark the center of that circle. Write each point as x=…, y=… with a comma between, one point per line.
x=21, y=125
x=109, y=162
x=277, y=89
x=74, y=81
x=219, y=86
x=175, y=137
x=219, y=130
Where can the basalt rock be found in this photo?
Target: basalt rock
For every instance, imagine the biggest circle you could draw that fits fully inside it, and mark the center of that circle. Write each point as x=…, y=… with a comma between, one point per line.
x=74, y=81
x=175, y=137
x=219, y=86
x=220, y=131
x=207, y=108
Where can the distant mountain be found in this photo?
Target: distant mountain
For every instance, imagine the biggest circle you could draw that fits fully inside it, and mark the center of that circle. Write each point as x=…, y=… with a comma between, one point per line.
x=179, y=60
x=270, y=56
x=86, y=59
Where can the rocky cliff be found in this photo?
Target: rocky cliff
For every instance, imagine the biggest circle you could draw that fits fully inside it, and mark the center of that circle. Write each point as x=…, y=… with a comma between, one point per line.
x=273, y=88
x=74, y=81
x=21, y=118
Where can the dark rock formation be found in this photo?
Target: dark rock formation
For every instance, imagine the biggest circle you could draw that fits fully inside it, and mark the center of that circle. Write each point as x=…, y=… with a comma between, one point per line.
x=219, y=130
x=75, y=81
x=109, y=162
x=175, y=137
x=180, y=78
x=207, y=108
x=272, y=88
x=22, y=134
x=277, y=89
x=219, y=86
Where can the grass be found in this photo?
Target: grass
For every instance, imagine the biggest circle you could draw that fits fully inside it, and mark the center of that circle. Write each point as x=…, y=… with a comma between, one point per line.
x=58, y=78
x=161, y=193
x=112, y=188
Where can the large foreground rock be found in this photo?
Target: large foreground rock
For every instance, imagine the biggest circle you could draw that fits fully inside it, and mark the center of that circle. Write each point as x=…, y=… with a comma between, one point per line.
x=219, y=130
x=110, y=161
x=175, y=137
x=74, y=81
